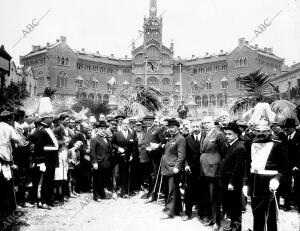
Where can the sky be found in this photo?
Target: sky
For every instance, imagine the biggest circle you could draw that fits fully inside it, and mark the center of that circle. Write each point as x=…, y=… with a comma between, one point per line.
x=109, y=26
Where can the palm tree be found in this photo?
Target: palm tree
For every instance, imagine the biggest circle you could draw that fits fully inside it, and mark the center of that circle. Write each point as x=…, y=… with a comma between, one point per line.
x=257, y=88
x=139, y=101
x=95, y=107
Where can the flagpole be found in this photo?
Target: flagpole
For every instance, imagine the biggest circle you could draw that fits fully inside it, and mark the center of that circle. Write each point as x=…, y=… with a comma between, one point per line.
x=146, y=67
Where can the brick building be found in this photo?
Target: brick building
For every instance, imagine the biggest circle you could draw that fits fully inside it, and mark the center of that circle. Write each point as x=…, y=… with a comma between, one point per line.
x=208, y=84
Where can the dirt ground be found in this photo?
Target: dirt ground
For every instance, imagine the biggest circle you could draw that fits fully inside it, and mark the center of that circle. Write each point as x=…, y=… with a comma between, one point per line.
x=82, y=213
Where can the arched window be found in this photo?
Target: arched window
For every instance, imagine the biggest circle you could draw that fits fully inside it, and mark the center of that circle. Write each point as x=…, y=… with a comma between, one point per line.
x=245, y=61
x=166, y=81
x=152, y=51
x=152, y=81
x=220, y=100
x=138, y=81
x=176, y=99
x=241, y=62
x=83, y=95
x=67, y=61
x=198, y=101
x=58, y=60
x=212, y=100
x=205, y=101
x=62, y=79
x=139, y=59
x=62, y=61
x=99, y=97
x=105, y=99
x=91, y=96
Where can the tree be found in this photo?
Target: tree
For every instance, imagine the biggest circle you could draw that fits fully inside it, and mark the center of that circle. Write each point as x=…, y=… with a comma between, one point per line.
x=12, y=96
x=257, y=88
x=139, y=101
x=95, y=107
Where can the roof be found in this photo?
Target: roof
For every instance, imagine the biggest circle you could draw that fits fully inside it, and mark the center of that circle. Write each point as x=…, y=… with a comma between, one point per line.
x=104, y=59
x=40, y=50
x=207, y=59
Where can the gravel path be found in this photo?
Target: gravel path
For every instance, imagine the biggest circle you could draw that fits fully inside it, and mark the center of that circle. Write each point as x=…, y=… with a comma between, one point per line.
x=82, y=213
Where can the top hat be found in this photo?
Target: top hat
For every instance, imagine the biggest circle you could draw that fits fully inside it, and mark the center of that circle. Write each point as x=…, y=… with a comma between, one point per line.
x=241, y=123
x=290, y=123
x=119, y=116
x=149, y=117
x=138, y=123
x=172, y=122
x=233, y=127
x=101, y=124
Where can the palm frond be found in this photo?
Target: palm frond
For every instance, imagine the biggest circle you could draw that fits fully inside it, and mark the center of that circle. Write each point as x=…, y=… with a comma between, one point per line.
x=284, y=109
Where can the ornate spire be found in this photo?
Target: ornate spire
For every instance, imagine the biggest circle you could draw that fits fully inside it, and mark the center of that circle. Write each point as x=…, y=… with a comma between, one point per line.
x=153, y=8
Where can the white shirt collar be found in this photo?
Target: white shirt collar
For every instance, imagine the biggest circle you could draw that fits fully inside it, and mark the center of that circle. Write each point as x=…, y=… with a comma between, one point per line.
x=231, y=143
x=292, y=135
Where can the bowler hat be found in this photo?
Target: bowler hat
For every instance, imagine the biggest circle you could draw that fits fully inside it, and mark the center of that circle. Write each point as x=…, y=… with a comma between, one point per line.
x=233, y=127
x=138, y=123
x=120, y=116
x=290, y=123
x=5, y=115
x=173, y=122
x=101, y=124
x=149, y=117
x=242, y=123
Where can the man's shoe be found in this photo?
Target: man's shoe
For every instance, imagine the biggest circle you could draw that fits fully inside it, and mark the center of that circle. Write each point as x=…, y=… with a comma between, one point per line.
x=98, y=200
x=186, y=217
x=145, y=196
x=150, y=200
x=209, y=223
x=166, y=216
x=216, y=227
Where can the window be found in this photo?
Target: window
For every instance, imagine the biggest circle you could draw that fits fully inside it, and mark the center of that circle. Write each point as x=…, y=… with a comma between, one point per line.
x=62, y=61
x=105, y=99
x=62, y=80
x=205, y=101
x=91, y=96
x=67, y=61
x=166, y=102
x=198, y=101
x=152, y=81
x=138, y=81
x=220, y=100
x=212, y=100
x=224, y=83
x=109, y=88
x=166, y=81
x=208, y=85
x=245, y=61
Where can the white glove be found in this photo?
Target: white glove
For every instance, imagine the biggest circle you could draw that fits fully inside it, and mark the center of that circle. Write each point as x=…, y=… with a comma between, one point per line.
x=245, y=190
x=230, y=187
x=42, y=167
x=175, y=170
x=95, y=166
x=121, y=150
x=187, y=168
x=274, y=184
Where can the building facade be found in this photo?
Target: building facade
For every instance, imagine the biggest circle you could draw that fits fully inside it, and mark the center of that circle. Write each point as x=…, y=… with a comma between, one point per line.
x=208, y=84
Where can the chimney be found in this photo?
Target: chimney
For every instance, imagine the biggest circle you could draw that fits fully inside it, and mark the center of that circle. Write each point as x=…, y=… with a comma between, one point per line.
x=172, y=46
x=256, y=46
x=126, y=56
x=112, y=55
x=82, y=49
x=97, y=53
x=48, y=44
x=178, y=57
x=221, y=51
x=271, y=50
x=193, y=56
x=206, y=54
x=57, y=40
x=247, y=42
x=242, y=42
x=265, y=49
x=34, y=47
x=63, y=39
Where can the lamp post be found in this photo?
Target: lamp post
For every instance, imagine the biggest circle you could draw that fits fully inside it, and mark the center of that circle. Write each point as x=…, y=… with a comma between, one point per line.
x=180, y=78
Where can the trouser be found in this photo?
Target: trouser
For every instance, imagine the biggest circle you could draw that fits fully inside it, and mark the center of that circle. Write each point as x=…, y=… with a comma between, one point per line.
x=125, y=176
x=297, y=188
x=145, y=174
x=47, y=187
x=232, y=204
x=286, y=189
x=7, y=197
x=212, y=185
x=192, y=192
x=101, y=179
x=264, y=213
x=173, y=201
x=155, y=175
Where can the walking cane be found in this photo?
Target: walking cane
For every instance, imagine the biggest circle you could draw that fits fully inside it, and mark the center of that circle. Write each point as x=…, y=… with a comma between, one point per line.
x=156, y=180
x=129, y=171
x=63, y=182
x=159, y=188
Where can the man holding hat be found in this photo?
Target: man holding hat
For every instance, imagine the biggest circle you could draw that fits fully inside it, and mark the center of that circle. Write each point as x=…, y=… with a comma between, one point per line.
x=232, y=167
x=293, y=146
x=101, y=159
x=264, y=172
x=172, y=162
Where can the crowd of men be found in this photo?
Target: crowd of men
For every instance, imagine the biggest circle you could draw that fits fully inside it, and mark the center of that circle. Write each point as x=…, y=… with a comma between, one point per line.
x=203, y=165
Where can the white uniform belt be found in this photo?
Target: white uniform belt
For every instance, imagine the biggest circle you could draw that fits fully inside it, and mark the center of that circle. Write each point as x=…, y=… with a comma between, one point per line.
x=48, y=148
x=264, y=172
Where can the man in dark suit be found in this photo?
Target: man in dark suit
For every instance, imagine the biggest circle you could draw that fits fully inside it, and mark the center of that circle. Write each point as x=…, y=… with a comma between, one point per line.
x=46, y=160
x=101, y=159
x=155, y=136
x=232, y=168
x=172, y=163
x=182, y=110
x=62, y=130
x=293, y=147
x=126, y=149
x=213, y=151
x=192, y=167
